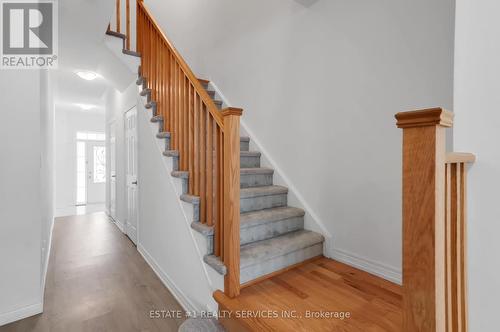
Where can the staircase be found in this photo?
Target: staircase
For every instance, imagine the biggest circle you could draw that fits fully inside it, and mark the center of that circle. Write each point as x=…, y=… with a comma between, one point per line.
x=252, y=234
x=272, y=234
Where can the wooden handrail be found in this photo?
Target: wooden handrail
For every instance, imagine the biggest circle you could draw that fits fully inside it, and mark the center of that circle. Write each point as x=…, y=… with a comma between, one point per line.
x=434, y=223
x=187, y=70
x=460, y=157
x=205, y=139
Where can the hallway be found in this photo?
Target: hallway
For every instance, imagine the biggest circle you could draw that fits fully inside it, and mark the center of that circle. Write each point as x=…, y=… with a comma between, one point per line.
x=98, y=281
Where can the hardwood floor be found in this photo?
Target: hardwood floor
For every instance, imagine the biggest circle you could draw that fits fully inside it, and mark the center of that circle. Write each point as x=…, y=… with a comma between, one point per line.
x=97, y=281
x=319, y=287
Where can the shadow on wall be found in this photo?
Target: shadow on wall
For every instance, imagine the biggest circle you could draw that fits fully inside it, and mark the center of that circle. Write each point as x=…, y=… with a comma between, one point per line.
x=307, y=3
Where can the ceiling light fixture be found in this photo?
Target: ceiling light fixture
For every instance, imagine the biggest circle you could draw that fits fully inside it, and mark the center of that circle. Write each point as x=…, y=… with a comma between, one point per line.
x=87, y=75
x=85, y=107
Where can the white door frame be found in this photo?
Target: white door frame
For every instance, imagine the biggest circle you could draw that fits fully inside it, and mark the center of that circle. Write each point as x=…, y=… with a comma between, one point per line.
x=112, y=169
x=131, y=185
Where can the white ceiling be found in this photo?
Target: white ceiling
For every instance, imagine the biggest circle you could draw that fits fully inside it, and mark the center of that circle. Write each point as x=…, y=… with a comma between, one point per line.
x=82, y=27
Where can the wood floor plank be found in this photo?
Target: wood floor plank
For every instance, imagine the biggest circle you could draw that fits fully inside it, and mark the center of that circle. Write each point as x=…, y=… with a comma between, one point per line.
x=322, y=286
x=97, y=281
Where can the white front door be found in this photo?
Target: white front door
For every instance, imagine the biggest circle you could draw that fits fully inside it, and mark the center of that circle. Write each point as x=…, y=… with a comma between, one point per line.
x=131, y=172
x=96, y=172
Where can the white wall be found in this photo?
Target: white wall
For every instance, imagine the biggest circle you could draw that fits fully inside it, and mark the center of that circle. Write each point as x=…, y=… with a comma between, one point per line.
x=320, y=86
x=70, y=120
x=47, y=169
x=477, y=130
x=25, y=194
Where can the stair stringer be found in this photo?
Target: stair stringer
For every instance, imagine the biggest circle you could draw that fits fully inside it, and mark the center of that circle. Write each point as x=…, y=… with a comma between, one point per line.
x=115, y=45
x=199, y=242
x=312, y=221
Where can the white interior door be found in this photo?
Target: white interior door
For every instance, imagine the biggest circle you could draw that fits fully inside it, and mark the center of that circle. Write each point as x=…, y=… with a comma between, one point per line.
x=131, y=172
x=96, y=172
x=112, y=181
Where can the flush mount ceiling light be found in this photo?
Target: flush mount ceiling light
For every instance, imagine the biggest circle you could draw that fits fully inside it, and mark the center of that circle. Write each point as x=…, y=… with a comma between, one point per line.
x=87, y=75
x=85, y=107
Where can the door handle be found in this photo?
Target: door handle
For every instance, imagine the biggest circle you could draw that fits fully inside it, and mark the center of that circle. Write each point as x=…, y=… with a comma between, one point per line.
x=135, y=182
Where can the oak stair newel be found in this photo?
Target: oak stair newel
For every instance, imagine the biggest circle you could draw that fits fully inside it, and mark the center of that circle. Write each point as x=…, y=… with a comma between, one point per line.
x=434, y=224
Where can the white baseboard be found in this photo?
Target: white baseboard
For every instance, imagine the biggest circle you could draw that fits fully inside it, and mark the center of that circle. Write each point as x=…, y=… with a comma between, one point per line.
x=28, y=311
x=46, y=263
x=183, y=300
x=118, y=224
x=375, y=268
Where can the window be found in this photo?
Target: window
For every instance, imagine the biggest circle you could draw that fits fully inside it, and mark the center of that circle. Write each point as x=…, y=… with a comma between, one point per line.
x=90, y=136
x=98, y=167
x=99, y=164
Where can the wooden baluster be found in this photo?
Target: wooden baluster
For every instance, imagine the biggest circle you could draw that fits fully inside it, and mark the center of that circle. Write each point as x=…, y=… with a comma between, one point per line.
x=148, y=52
x=203, y=165
x=127, y=8
x=166, y=100
x=456, y=267
x=191, y=139
x=182, y=155
x=210, y=155
x=153, y=65
x=232, y=200
x=161, y=99
x=456, y=242
x=174, y=96
x=179, y=111
x=169, y=96
x=181, y=121
x=448, y=249
x=138, y=32
x=148, y=42
x=144, y=38
x=462, y=252
x=185, y=130
x=178, y=108
x=157, y=68
x=455, y=219
x=218, y=191
x=424, y=306
x=118, y=15
x=196, y=146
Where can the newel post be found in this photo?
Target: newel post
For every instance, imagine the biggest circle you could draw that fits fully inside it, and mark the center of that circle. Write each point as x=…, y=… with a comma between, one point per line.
x=424, y=155
x=231, y=228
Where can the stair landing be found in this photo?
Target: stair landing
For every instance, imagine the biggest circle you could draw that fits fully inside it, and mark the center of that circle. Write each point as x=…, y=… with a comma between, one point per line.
x=315, y=295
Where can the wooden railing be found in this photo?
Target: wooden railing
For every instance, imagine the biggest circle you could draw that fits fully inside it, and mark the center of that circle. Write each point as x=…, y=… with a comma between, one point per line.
x=206, y=139
x=455, y=248
x=117, y=16
x=434, y=225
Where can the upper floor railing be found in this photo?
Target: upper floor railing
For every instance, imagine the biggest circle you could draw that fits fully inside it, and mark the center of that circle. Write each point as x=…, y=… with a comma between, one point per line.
x=124, y=12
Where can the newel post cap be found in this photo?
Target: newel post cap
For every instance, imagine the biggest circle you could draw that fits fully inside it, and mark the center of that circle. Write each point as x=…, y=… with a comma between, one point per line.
x=426, y=117
x=232, y=111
